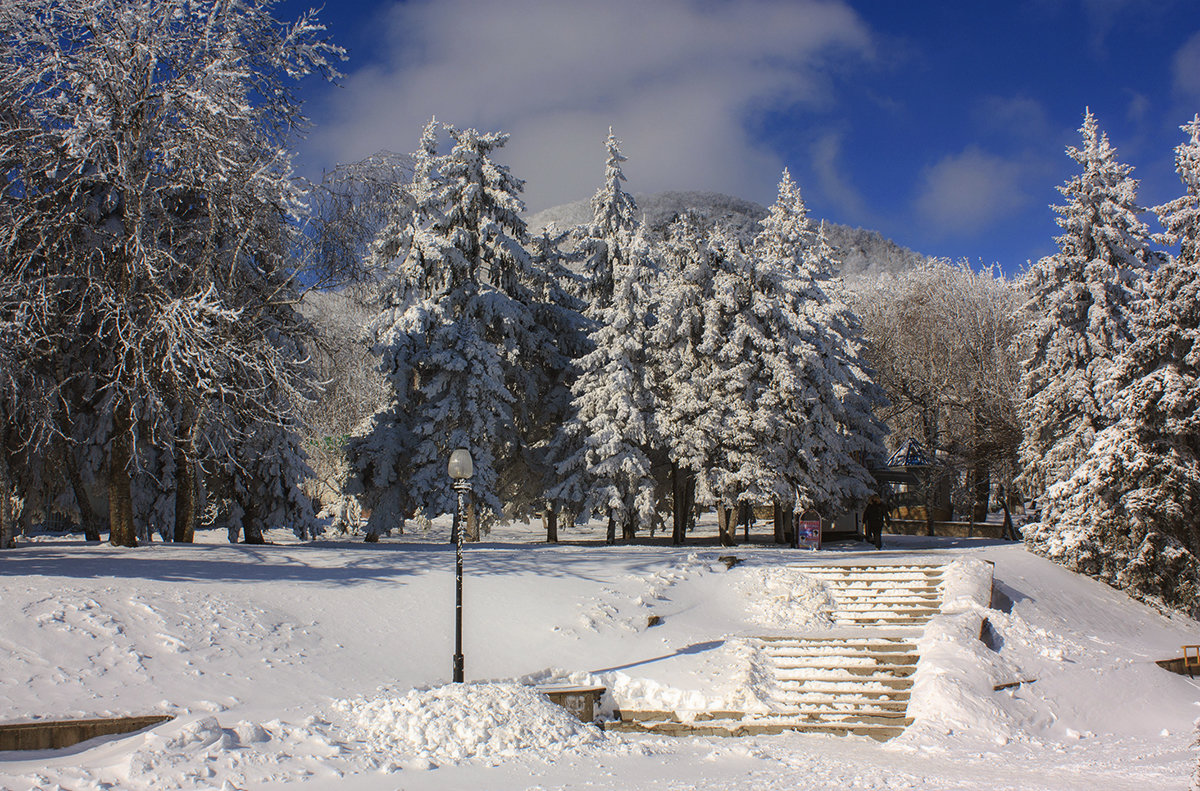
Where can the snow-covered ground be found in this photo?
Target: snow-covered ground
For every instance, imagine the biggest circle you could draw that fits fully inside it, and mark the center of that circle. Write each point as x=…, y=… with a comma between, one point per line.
x=327, y=663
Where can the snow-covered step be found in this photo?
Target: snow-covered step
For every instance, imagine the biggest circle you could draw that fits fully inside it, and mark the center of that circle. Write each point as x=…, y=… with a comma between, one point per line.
x=856, y=681
x=784, y=673
x=860, y=606
x=762, y=726
x=836, y=704
x=784, y=661
x=843, y=686
x=898, y=697
x=929, y=599
x=889, y=623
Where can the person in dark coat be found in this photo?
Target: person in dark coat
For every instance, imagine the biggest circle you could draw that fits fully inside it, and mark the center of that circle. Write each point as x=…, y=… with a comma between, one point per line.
x=874, y=518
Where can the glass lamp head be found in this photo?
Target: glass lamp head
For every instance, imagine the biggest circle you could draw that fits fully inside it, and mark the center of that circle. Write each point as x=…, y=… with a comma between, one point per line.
x=461, y=467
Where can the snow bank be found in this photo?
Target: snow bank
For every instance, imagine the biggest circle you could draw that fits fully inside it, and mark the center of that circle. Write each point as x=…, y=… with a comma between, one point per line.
x=966, y=585
x=623, y=691
x=786, y=598
x=953, y=687
x=458, y=722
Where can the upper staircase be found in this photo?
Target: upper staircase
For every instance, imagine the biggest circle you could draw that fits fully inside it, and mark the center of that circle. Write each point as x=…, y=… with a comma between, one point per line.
x=853, y=679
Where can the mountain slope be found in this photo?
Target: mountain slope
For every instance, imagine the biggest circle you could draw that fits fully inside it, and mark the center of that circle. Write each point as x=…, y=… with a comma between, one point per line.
x=862, y=252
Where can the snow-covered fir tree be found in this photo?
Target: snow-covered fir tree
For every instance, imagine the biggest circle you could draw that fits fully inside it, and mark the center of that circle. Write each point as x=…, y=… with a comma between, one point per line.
x=858, y=394
x=1130, y=515
x=1181, y=217
x=689, y=330
x=462, y=338
x=614, y=219
x=815, y=394
x=559, y=312
x=1081, y=299
x=614, y=419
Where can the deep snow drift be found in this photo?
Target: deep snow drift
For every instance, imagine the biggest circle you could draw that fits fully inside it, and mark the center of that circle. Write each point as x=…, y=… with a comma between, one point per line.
x=327, y=663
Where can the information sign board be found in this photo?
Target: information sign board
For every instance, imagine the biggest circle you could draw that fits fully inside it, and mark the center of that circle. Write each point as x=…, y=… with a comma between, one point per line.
x=808, y=533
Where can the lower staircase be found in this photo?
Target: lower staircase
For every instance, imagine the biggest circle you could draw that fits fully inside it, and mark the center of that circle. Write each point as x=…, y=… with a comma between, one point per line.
x=854, y=679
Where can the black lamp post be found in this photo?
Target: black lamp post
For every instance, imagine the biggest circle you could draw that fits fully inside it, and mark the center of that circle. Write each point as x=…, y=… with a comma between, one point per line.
x=461, y=469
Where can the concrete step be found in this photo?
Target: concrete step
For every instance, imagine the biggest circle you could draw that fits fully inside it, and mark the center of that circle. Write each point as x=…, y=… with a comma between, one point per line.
x=839, y=646
x=859, y=660
x=933, y=599
x=890, y=623
x=879, y=732
x=850, y=673
x=837, y=704
x=831, y=683
x=866, y=608
x=801, y=696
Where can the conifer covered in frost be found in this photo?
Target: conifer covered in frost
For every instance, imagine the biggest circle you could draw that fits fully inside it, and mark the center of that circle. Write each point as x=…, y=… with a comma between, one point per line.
x=614, y=400
x=689, y=330
x=463, y=338
x=812, y=392
x=614, y=219
x=559, y=312
x=858, y=393
x=1130, y=514
x=1082, y=298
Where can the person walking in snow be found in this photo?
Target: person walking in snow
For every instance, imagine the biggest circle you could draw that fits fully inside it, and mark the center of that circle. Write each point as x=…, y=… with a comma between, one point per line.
x=874, y=518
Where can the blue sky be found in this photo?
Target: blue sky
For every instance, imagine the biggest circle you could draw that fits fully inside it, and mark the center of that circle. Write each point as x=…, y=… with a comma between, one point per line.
x=940, y=124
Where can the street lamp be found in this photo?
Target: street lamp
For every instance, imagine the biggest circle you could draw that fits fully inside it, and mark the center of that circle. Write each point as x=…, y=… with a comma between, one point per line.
x=461, y=469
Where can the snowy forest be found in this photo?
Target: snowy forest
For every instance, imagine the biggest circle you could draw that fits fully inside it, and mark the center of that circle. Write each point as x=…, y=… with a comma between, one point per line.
x=192, y=336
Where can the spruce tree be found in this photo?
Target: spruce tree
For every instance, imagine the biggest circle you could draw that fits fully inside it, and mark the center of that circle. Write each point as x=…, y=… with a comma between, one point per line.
x=1130, y=515
x=460, y=338
x=614, y=220
x=614, y=401
x=1082, y=298
x=689, y=330
x=812, y=393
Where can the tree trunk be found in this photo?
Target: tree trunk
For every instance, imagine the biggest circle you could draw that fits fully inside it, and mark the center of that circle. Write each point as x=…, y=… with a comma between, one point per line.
x=185, y=481
x=930, y=497
x=725, y=525
x=550, y=521
x=252, y=531
x=472, y=522
x=778, y=522
x=7, y=488
x=693, y=511
x=679, y=504
x=7, y=520
x=120, y=502
x=746, y=512
x=629, y=529
x=983, y=486
x=89, y=520
x=611, y=537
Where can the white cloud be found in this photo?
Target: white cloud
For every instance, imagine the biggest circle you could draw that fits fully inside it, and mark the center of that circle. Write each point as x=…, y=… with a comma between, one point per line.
x=1186, y=68
x=1020, y=118
x=826, y=155
x=966, y=192
x=677, y=79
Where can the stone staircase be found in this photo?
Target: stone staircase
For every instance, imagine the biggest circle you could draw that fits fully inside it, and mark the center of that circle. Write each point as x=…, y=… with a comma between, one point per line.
x=888, y=596
x=853, y=679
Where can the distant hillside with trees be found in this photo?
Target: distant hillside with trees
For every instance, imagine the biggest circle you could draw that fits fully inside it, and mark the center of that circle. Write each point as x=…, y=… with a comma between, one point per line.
x=862, y=252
